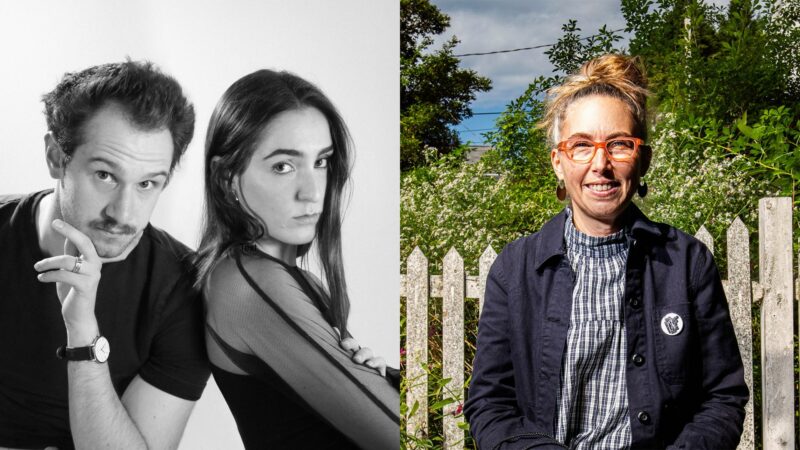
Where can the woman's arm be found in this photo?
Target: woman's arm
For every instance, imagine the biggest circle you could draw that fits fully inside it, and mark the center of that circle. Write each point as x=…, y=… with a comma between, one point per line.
x=495, y=419
x=273, y=319
x=718, y=421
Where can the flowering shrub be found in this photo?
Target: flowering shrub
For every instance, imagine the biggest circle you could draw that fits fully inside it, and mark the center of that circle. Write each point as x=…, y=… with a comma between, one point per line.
x=707, y=173
x=693, y=184
x=451, y=203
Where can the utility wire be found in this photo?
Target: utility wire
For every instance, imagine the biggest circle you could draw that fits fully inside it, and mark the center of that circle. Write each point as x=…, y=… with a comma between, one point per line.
x=528, y=48
x=467, y=130
x=504, y=51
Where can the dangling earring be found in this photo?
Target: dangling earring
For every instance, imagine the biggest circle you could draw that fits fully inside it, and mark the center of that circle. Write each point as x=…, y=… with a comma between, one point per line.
x=235, y=195
x=561, y=190
x=642, y=190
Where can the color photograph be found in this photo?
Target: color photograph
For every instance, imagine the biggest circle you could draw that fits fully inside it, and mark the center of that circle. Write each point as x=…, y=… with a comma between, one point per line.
x=599, y=224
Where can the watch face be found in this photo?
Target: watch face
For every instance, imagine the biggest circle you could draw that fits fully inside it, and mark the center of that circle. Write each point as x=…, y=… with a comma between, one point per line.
x=101, y=349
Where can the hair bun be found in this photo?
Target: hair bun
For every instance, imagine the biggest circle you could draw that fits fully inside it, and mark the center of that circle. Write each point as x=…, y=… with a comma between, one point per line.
x=615, y=69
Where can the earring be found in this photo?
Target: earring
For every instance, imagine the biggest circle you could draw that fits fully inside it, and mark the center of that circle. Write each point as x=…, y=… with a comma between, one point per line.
x=642, y=190
x=235, y=195
x=561, y=190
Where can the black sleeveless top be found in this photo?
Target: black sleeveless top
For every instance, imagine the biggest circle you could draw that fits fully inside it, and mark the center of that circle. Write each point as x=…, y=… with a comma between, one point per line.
x=270, y=416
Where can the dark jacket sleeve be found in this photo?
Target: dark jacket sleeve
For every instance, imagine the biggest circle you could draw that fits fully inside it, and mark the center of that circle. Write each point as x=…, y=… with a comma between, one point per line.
x=717, y=424
x=495, y=419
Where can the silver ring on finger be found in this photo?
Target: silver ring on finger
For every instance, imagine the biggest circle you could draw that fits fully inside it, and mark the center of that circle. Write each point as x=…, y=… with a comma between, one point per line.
x=77, y=267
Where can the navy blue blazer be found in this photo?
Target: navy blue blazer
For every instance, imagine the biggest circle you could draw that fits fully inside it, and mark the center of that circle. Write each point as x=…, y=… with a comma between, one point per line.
x=685, y=389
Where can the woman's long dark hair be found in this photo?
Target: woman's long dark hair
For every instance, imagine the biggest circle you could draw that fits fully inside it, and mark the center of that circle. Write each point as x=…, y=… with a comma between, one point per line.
x=233, y=134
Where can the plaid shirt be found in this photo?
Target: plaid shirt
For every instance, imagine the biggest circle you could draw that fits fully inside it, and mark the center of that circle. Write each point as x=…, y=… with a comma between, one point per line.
x=592, y=404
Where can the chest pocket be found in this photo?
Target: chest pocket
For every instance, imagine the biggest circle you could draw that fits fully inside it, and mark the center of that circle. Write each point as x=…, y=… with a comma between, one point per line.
x=674, y=330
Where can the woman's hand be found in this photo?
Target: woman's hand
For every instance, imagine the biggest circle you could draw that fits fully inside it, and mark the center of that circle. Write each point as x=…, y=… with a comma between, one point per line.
x=364, y=355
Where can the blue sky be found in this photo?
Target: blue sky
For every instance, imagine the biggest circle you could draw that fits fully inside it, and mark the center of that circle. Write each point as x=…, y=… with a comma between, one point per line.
x=486, y=25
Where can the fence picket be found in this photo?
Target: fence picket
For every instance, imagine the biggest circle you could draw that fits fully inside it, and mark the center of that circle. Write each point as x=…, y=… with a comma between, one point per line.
x=777, y=351
x=484, y=264
x=417, y=295
x=739, y=298
x=704, y=236
x=453, y=346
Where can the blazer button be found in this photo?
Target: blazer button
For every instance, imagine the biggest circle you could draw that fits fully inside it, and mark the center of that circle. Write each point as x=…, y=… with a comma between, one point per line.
x=635, y=302
x=643, y=417
x=637, y=359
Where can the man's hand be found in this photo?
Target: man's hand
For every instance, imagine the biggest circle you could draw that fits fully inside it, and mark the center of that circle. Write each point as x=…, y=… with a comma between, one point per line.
x=76, y=274
x=364, y=355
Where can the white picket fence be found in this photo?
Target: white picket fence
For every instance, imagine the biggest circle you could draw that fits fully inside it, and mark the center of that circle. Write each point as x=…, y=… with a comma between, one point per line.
x=773, y=293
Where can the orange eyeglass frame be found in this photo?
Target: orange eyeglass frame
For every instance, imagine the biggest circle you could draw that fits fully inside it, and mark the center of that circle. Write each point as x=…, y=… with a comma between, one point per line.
x=562, y=146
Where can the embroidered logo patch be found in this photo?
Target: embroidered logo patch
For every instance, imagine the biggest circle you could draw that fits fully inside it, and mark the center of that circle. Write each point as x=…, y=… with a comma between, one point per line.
x=671, y=324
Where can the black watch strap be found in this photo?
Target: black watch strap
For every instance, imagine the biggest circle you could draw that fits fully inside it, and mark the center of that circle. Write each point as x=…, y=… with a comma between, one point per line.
x=75, y=354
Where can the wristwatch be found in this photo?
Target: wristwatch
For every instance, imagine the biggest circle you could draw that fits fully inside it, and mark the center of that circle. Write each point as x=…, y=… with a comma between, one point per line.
x=97, y=352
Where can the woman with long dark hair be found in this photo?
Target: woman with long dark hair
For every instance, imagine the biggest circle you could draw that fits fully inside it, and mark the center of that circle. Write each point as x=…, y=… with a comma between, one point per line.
x=277, y=164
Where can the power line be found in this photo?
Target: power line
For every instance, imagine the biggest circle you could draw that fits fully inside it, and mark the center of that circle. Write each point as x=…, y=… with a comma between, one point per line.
x=527, y=48
x=475, y=131
x=505, y=51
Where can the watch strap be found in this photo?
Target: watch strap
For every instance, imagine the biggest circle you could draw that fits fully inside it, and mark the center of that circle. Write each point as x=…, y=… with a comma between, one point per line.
x=78, y=353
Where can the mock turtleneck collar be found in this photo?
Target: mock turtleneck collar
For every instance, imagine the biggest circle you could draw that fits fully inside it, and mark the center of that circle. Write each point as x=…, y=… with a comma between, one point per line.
x=593, y=246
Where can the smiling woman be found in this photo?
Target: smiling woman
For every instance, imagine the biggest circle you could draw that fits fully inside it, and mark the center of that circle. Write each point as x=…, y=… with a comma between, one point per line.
x=600, y=184
x=604, y=329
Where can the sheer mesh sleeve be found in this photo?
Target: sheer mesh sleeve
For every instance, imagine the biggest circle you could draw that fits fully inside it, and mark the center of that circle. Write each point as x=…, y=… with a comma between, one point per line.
x=260, y=308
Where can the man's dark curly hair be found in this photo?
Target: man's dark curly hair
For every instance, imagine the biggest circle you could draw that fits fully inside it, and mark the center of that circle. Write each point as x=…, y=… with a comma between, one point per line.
x=151, y=99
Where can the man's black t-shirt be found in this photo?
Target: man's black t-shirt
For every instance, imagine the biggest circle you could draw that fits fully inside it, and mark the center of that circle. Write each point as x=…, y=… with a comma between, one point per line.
x=146, y=308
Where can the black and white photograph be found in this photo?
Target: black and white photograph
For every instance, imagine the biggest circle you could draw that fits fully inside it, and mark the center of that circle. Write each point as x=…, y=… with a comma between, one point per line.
x=199, y=224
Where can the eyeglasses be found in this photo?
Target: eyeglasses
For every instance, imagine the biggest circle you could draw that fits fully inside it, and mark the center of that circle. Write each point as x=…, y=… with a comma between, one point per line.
x=582, y=150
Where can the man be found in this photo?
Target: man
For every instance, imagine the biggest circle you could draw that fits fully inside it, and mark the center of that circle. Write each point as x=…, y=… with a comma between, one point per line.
x=101, y=326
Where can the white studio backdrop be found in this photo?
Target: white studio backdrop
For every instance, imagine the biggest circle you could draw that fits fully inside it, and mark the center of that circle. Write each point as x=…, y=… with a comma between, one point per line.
x=348, y=48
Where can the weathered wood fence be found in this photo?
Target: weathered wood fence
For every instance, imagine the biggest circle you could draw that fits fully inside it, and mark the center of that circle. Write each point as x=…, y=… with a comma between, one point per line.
x=773, y=292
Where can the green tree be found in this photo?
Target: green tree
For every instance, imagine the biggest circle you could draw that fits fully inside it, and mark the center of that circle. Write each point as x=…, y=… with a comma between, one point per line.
x=435, y=93
x=715, y=62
